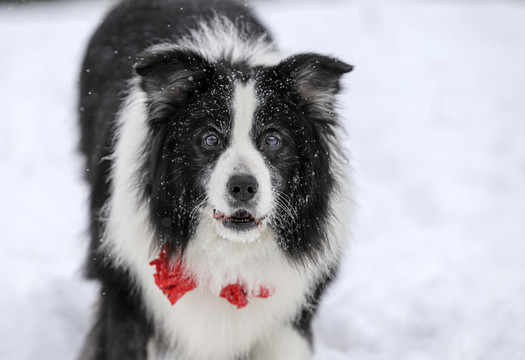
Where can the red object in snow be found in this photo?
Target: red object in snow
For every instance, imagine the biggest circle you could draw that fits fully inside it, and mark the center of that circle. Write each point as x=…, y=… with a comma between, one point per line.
x=172, y=278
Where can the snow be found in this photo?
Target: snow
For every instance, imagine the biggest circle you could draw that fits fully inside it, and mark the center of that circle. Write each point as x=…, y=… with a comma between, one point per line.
x=435, y=116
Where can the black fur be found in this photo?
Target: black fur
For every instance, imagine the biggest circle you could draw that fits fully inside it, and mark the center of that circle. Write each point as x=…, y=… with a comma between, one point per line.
x=298, y=107
x=121, y=330
x=179, y=120
x=302, y=167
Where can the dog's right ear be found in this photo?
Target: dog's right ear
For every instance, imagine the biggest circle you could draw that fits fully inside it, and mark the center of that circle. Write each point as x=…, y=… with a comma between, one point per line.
x=173, y=74
x=316, y=79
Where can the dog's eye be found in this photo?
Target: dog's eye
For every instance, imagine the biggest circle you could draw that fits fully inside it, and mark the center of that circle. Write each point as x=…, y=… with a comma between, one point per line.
x=211, y=140
x=272, y=141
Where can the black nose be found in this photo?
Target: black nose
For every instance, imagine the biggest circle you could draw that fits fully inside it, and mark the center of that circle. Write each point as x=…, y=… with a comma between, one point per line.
x=242, y=187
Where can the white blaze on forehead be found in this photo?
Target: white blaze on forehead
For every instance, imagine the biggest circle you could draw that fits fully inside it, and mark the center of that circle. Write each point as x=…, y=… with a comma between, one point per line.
x=244, y=106
x=241, y=157
x=243, y=152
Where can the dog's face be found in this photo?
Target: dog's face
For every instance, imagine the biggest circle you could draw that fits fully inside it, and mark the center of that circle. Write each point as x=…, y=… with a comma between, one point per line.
x=245, y=147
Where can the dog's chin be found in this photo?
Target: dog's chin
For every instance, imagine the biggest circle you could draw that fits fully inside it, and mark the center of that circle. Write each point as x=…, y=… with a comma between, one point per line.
x=240, y=226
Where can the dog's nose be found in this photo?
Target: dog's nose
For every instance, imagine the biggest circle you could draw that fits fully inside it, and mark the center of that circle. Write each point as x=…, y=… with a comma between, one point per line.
x=242, y=187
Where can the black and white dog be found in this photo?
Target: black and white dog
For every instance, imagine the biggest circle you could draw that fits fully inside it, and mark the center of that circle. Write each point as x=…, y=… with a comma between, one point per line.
x=219, y=191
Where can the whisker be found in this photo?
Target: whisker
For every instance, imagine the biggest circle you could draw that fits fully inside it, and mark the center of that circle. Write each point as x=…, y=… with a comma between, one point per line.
x=283, y=202
x=285, y=209
x=199, y=204
x=286, y=202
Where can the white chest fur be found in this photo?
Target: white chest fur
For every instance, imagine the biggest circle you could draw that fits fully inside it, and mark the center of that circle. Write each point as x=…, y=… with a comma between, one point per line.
x=206, y=326
x=203, y=325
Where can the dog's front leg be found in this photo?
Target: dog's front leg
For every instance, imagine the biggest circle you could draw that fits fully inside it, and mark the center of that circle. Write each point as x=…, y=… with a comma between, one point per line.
x=283, y=344
x=121, y=330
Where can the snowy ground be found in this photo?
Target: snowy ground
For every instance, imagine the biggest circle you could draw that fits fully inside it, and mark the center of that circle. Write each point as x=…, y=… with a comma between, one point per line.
x=436, y=116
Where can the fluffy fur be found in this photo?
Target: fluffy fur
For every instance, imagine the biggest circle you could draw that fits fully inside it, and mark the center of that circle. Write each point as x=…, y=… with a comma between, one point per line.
x=191, y=119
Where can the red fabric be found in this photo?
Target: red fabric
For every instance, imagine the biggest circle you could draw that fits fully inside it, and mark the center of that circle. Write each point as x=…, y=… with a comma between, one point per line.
x=237, y=294
x=172, y=278
x=264, y=293
x=174, y=282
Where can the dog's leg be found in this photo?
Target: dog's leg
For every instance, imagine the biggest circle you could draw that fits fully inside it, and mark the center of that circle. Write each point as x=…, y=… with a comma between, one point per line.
x=294, y=341
x=284, y=344
x=121, y=330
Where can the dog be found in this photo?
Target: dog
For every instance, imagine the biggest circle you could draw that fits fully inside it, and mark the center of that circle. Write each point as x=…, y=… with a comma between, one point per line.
x=219, y=185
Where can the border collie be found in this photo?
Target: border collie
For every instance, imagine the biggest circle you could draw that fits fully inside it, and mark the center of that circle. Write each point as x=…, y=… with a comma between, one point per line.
x=219, y=187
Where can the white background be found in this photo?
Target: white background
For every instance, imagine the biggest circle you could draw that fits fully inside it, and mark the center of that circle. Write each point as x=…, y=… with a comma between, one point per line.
x=435, y=113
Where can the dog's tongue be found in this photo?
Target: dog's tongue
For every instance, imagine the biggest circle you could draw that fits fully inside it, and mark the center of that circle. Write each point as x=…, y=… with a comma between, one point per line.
x=175, y=281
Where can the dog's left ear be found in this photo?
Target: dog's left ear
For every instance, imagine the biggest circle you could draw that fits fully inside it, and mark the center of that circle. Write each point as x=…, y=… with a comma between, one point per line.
x=316, y=77
x=172, y=74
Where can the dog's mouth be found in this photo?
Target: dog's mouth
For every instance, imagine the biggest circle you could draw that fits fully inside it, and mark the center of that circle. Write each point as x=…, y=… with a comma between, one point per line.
x=240, y=220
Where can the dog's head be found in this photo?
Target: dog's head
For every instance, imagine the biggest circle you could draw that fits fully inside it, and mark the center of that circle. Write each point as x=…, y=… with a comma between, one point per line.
x=245, y=147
